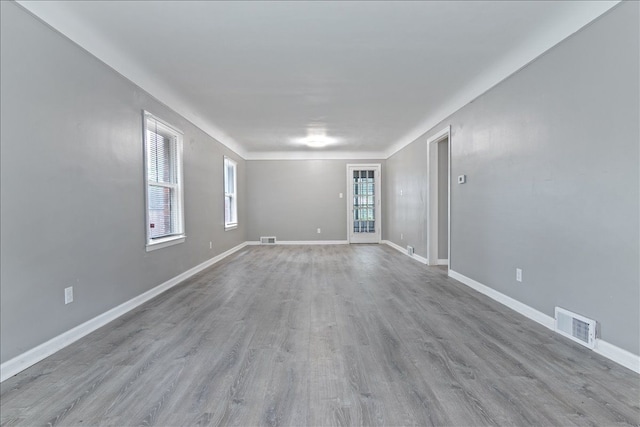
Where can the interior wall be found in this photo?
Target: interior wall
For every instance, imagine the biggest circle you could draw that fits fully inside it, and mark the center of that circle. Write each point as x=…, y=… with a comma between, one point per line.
x=551, y=158
x=72, y=190
x=443, y=208
x=405, y=202
x=291, y=199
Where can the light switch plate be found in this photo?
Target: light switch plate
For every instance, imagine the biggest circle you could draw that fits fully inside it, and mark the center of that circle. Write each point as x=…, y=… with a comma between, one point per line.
x=68, y=295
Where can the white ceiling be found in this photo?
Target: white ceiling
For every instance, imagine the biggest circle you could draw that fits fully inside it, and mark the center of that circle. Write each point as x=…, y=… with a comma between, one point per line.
x=260, y=76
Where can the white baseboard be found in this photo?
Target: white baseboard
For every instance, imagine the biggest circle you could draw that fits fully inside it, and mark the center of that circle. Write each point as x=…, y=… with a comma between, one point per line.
x=423, y=260
x=399, y=248
x=304, y=242
x=610, y=351
x=31, y=357
x=443, y=262
x=312, y=242
x=513, y=304
x=618, y=355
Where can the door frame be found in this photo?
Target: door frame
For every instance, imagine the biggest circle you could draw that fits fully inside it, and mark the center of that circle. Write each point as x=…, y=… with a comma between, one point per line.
x=378, y=195
x=432, y=196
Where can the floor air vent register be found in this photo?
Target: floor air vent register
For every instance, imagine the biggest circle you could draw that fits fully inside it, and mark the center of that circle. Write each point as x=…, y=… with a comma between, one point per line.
x=268, y=240
x=576, y=327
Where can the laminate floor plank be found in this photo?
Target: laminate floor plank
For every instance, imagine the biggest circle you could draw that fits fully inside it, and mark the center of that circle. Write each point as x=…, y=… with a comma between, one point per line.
x=322, y=336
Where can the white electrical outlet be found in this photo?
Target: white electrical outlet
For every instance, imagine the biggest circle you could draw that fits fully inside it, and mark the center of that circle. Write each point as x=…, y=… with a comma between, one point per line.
x=68, y=295
x=519, y=274
x=401, y=236
x=319, y=231
x=401, y=192
x=210, y=245
x=340, y=195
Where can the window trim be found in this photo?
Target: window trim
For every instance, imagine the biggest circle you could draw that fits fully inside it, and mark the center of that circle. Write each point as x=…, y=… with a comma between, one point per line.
x=234, y=196
x=153, y=244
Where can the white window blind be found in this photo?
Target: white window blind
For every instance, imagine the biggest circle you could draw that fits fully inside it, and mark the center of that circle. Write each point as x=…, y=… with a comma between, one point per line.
x=165, y=216
x=230, y=197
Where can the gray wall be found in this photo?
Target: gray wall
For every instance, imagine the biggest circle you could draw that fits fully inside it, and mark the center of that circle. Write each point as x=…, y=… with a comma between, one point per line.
x=291, y=199
x=551, y=157
x=443, y=208
x=405, y=196
x=72, y=192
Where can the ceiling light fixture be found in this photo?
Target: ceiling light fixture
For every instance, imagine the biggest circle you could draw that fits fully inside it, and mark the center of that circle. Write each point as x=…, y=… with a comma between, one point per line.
x=318, y=141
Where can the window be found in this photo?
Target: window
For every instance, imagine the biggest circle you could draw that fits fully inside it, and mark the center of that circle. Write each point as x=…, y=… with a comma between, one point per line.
x=230, y=198
x=164, y=194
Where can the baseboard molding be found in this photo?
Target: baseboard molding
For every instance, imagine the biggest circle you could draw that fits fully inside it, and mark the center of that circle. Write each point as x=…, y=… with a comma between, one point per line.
x=399, y=248
x=443, y=262
x=303, y=242
x=513, y=304
x=31, y=357
x=610, y=351
x=618, y=355
x=420, y=259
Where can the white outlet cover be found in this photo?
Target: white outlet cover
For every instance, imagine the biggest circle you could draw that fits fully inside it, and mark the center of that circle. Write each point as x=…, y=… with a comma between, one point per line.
x=519, y=274
x=340, y=195
x=68, y=295
x=319, y=231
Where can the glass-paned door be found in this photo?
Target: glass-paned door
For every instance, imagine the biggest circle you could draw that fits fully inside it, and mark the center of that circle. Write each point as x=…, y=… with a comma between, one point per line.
x=364, y=199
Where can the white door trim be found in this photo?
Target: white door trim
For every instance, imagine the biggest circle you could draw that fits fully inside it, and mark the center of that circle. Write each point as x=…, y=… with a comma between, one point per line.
x=432, y=195
x=378, y=194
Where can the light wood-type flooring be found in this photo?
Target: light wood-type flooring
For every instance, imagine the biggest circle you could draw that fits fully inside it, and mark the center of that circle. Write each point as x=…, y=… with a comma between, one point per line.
x=322, y=336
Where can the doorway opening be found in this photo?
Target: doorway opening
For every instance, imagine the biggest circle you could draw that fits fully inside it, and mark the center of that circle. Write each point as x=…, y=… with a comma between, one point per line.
x=364, y=222
x=439, y=198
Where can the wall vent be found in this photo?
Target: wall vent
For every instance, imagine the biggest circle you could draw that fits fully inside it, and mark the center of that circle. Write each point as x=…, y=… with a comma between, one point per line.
x=410, y=250
x=268, y=240
x=576, y=327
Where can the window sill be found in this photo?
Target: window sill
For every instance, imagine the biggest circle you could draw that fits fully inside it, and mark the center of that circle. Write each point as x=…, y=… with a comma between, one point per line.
x=164, y=242
x=230, y=227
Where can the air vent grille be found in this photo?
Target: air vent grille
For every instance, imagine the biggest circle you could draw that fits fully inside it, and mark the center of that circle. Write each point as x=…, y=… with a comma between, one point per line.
x=576, y=327
x=268, y=240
